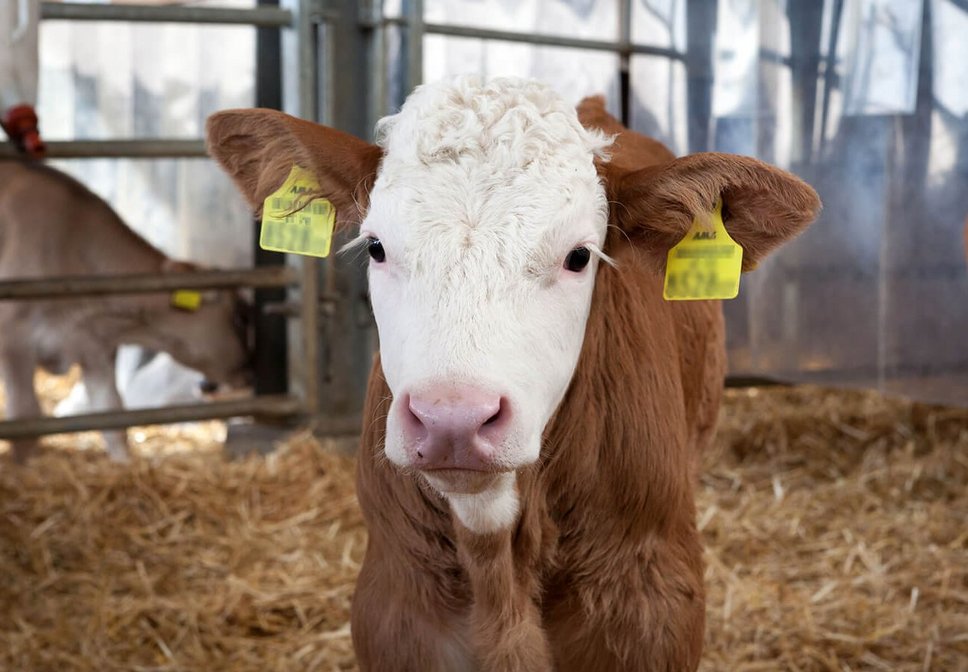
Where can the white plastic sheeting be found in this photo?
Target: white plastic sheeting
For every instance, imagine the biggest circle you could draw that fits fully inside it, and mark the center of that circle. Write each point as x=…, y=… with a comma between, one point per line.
x=110, y=80
x=574, y=72
x=18, y=52
x=876, y=293
x=869, y=104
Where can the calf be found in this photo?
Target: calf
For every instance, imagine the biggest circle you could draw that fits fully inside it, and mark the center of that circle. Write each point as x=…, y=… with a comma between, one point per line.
x=51, y=225
x=144, y=379
x=535, y=412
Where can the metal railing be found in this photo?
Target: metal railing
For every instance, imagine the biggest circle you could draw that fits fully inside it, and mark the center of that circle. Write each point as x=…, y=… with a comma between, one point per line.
x=66, y=288
x=539, y=40
x=624, y=47
x=143, y=283
x=263, y=17
x=296, y=17
x=268, y=406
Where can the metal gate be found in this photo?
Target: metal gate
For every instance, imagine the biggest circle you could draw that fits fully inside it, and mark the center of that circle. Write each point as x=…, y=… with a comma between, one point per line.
x=294, y=29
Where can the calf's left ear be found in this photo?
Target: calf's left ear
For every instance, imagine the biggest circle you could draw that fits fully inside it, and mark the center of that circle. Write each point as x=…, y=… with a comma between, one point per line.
x=762, y=205
x=258, y=148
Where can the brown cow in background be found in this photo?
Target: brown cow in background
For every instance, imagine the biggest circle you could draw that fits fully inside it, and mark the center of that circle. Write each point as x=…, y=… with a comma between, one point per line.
x=51, y=225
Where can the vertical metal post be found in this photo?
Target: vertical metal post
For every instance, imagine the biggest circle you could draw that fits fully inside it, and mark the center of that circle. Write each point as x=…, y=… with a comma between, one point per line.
x=371, y=18
x=300, y=87
x=700, y=29
x=806, y=20
x=414, y=12
x=270, y=330
x=829, y=74
x=625, y=59
x=340, y=354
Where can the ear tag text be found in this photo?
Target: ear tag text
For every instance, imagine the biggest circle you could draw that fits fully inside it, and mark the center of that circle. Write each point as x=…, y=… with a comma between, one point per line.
x=186, y=299
x=290, y=224
x=705, y=264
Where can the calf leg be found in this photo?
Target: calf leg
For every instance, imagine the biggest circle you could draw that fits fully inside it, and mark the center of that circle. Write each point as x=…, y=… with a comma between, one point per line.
x=17, y=371
x=642, y=611
x=102, y=391
x=505, y=619
x=409, y=614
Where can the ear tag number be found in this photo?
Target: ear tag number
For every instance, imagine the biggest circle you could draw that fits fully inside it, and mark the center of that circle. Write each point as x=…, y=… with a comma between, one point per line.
x=290, y=224
x=186, y=299
x=706, y=264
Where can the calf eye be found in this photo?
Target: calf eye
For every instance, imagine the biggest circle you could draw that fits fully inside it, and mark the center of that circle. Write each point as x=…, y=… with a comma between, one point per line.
x=375, y=248
x=577, y=259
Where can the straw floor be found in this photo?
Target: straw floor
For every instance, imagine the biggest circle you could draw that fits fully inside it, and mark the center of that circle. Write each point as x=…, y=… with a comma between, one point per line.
x=836, y=525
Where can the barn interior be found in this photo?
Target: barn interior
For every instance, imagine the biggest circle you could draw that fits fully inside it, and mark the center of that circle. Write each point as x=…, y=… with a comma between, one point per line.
x=833, y=503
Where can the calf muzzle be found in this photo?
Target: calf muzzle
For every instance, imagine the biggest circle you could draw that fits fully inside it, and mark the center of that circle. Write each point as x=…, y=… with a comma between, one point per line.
x=447, y=428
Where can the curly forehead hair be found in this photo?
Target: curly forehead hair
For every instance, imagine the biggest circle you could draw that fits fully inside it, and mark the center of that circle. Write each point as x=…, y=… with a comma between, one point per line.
x=508, y=122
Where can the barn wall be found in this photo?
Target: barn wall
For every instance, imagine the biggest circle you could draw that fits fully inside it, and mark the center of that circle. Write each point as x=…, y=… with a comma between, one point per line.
x=108, y=80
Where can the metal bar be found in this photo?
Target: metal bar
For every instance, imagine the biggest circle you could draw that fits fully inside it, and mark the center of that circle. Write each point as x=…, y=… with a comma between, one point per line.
x=700, y=28
x=542, y=40
x=136, y=149
x=625, y=58
x=269, y=327
x=143, y=283
x=265, y=17
x=300, y=98
x=754, y=381
x=415, y=32
x=376, y=60
x=275, y=406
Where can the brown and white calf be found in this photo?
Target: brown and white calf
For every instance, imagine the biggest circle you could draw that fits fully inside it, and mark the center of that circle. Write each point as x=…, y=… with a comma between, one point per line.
x=51, y=225
x=535, y=413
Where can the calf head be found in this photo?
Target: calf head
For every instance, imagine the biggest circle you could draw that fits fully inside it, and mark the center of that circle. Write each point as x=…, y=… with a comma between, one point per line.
x=484, y=210
x=213, y=337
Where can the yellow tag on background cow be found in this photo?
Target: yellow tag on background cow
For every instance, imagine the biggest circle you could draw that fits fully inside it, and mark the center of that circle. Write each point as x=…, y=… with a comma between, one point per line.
x=186, y=299
x=290, y=225
x=706, y=264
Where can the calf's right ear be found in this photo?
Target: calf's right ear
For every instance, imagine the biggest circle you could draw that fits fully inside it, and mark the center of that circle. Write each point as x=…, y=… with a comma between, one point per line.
x=762, y=205
x=258, y=148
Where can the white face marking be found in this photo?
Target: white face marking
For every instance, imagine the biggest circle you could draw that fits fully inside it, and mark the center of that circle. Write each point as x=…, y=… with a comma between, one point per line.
x=488, y=512
x=483, y=192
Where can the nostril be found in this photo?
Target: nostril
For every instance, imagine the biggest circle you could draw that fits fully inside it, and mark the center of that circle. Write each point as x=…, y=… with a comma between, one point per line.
x=413, y=414
x=498, y=418
x=414, y=420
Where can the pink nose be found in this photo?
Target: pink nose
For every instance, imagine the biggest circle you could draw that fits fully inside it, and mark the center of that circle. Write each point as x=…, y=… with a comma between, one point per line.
x=455, y=427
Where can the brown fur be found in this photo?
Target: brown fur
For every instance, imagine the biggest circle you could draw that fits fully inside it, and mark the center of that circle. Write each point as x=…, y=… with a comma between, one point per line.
x=604, y=569
x=258, y=148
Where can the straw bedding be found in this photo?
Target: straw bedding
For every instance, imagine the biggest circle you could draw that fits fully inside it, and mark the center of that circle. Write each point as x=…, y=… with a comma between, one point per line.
x=836, y=526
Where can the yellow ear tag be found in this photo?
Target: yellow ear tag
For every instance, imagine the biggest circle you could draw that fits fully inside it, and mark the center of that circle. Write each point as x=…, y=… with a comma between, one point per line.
x=706, y=264
x=186, y=299
x=289, y=224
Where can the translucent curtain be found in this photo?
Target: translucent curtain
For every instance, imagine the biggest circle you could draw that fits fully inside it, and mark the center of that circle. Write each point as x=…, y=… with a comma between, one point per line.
x=872, y=112
x=109, y=80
